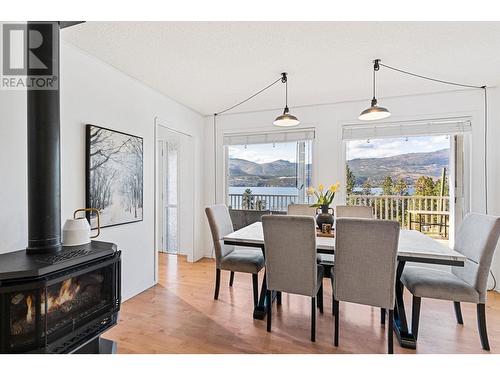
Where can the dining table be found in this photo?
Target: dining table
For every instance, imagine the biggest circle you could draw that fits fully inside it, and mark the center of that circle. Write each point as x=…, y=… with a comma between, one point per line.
x=413, y=246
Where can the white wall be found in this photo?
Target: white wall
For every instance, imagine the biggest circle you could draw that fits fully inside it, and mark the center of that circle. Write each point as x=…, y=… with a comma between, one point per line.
x=94, y=92
x=327, y=155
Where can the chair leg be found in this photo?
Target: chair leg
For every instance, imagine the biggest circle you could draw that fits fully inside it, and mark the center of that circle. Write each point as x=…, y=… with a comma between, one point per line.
x=313, y=319
x=231, y=278
x=269, y=309
x=320, y=298
x=390, y=336
x=333, y=299
x=217, y=283
x=336, y=325
x=278, y=298
x=415, y=316
x=382, y=316
x=481, y=325
x=458, y=312
x=255, y=282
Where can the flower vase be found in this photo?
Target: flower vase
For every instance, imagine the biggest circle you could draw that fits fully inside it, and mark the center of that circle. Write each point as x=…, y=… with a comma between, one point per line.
x=325, y=216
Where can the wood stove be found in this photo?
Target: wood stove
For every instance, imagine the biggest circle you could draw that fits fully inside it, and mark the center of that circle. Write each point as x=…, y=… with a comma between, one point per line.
x=54, y=298
x=59, y=302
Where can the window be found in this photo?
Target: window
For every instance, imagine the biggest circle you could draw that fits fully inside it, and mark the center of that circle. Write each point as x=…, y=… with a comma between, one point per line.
x=268, y=171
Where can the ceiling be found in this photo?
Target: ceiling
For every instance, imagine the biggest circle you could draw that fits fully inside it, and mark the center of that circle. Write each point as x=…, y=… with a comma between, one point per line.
x=209, y=66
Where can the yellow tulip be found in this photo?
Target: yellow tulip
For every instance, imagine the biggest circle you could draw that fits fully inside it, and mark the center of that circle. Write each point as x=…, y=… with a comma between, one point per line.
x=321, y=187
x=310, y=191
x=333, y=188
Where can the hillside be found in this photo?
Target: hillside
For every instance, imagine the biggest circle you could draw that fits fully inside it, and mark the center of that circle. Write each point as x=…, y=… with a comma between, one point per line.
x=408, y=166
x=282, y=172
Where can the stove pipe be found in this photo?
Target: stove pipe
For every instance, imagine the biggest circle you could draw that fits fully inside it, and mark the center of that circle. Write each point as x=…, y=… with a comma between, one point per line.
x=44, y=151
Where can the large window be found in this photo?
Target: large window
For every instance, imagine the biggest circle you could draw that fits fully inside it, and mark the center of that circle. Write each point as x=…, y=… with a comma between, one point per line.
x=268, y=171
x=411, y=172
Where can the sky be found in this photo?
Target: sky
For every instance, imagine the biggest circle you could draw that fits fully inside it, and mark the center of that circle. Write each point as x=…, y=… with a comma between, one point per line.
x=265, y=153
x=380, y=148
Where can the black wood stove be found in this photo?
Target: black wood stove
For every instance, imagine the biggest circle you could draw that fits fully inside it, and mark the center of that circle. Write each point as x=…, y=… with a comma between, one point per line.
x=54, y=298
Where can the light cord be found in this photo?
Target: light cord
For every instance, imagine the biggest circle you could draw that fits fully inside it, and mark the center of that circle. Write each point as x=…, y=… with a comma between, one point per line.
x=247, y=99
x=430, y=78
x=215, y=127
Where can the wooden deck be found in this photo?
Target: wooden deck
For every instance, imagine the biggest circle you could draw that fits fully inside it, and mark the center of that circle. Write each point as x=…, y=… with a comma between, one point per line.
x=179, y=315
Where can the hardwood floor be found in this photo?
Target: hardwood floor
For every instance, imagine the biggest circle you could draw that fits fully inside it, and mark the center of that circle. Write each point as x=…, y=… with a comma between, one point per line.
x=179, y=315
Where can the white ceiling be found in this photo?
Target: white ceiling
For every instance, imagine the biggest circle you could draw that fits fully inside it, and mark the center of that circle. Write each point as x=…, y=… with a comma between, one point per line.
x=209, y=66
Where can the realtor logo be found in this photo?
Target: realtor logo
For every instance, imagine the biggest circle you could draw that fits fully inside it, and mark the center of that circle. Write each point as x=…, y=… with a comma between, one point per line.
x=29, y=56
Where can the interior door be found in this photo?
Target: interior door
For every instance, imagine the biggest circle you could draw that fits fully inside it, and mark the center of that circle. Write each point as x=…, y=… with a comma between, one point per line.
x=169, y=186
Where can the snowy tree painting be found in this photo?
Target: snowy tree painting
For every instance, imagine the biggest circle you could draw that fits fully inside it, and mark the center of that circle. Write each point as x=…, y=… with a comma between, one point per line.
x=114, y=176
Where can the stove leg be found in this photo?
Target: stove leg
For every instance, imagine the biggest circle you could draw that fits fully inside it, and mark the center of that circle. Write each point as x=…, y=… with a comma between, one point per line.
x=99, y=345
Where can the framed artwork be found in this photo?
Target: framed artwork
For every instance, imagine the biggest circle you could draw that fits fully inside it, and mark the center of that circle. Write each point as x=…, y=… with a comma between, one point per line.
x=114, y=176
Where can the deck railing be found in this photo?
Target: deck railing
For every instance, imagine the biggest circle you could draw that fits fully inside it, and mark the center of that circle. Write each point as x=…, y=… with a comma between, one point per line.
x=395, y=207
x=261, y=201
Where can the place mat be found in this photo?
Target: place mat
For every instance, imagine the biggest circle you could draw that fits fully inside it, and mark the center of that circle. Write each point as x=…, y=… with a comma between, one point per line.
x=319, y=233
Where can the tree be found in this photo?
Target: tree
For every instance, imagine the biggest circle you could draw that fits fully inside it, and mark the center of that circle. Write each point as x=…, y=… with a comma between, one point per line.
x=248, y=200
x=350, y=180
x=424, y=186
x=437, y=188
x=367, y=188
x=400, y=187
x=387, y=186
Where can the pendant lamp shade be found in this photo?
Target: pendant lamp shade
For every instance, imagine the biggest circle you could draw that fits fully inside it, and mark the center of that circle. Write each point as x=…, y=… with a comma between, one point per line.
x=374, y=112
x=286, y=119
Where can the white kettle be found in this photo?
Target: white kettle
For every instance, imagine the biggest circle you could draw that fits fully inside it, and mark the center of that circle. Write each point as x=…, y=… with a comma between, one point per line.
x=77, y=231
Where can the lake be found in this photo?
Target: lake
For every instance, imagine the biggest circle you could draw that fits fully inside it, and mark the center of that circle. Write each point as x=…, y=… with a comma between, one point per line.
x=270, y=190
x=264, y=190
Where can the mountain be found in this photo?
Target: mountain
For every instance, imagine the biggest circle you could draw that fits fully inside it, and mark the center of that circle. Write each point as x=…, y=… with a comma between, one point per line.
x=408, y=166
x=247, y=173
x=282, y=172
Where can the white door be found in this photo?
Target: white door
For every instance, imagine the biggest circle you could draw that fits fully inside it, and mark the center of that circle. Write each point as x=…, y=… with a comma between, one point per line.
x=168, y=186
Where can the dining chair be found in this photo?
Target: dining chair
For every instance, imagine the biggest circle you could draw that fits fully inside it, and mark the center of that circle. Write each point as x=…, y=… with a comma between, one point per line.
x=365, y=266
x=228, y=257
x=243, y=218
x=354, y=211
x=301, y=209
x=290, y=248
x=477, y=239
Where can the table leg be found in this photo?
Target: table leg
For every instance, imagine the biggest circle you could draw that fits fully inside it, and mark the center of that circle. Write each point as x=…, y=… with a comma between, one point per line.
x=260, y=311
x=400, y=326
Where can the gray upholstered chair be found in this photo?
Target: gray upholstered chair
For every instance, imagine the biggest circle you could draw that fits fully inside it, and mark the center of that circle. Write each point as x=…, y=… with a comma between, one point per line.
x=290, y=246
x=354, y=211
x=477, y=239
x=243, y=218
x=231, y=258
x=365, y=266
x=301, y=209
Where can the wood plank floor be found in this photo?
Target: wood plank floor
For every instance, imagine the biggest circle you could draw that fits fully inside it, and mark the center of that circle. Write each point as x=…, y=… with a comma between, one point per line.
x=179, y=315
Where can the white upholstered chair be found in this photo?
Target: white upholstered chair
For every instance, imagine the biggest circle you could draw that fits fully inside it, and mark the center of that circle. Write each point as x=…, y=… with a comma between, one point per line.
x=354, y=211
x=301, y=209
x=365, y=266
x=477, y=239
x=290, y=247
x=228, y=257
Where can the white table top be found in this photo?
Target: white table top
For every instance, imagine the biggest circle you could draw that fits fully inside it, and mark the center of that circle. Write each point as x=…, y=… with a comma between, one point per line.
x=413, y=245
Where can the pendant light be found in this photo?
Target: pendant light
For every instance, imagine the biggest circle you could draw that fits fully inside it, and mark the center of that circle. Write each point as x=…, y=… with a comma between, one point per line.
x=286, y=119
x=374, y=112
